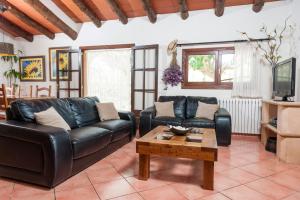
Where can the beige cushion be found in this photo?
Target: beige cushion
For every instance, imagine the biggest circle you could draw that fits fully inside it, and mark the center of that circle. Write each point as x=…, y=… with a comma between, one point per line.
x=107, y=111
x=51, y=117
x=164, y=109
x=207, y=111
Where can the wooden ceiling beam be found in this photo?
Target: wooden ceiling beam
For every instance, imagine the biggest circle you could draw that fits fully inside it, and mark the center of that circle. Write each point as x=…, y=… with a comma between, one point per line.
x=219, y=7
x=90, y=13
x=258, y=5
x=51, y=17
x=183, y=8
x=66, y=10
x=149, y=10
x=16, y=30
x=27, y=20
x=118, y=11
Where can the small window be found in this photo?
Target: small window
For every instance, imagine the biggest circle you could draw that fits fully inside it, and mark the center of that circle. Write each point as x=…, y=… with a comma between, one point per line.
x=208, y=68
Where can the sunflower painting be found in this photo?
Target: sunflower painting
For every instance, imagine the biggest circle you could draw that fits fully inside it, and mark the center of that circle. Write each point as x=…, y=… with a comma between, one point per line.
x=32, y=68
x=63, y=61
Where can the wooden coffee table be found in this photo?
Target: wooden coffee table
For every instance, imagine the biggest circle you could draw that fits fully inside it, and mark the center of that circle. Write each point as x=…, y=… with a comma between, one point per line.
x=177, y=146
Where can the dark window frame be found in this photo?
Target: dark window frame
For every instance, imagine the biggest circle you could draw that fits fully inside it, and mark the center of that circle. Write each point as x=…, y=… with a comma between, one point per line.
x=218, y=52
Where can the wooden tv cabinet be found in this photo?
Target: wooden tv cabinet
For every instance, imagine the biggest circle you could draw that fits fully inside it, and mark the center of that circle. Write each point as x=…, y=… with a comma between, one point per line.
x=287, y=131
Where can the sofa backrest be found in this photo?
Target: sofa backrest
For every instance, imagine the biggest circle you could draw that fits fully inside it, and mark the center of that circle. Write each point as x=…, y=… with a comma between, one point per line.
x=76, y=111
x=23, y=110
x=84, y=110
x=179, y=104
x=192, y=104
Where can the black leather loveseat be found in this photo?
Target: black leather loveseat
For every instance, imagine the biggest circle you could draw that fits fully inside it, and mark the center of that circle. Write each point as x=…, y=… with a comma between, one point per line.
x=47, y=155
x=185, y=110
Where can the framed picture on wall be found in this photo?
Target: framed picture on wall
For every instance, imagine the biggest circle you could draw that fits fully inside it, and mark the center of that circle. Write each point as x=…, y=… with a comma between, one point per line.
x=32, y=68
x=64, y=63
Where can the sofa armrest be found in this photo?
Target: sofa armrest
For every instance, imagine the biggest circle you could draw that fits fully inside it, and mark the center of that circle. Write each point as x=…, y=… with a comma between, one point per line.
x=223, y=127
x=146, y=120
x=126, y=115
x=35, y=153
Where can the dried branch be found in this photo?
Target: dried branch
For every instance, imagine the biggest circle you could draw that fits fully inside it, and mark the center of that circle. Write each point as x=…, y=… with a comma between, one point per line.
x=271, y=52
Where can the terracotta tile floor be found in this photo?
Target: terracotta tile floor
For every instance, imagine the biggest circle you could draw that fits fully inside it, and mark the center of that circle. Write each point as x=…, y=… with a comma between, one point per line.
x=243, y=171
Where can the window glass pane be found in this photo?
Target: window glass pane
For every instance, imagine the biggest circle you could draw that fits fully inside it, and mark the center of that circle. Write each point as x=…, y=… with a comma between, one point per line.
x=201, y=68
x=227, y=68
x=138, y=101
x=149, y=99
x=150, y=58
x=139, y=59
x=138, y=83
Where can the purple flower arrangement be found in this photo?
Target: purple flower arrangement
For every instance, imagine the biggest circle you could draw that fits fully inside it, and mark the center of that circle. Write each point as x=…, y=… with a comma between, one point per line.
x=172, y=75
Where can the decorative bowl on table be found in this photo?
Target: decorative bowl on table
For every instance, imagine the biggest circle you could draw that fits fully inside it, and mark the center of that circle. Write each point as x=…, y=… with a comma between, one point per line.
x=179, y=130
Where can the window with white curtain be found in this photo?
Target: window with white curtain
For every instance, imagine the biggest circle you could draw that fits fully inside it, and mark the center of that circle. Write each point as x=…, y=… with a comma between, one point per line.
x=248, y=81
x=109, y=76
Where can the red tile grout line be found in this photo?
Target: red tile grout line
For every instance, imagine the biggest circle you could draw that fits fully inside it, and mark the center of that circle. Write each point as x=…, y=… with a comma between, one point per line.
x=138, y=192
x=54, y=192
x=11, y=193
x=259, y=191
x=93, y=186
x=265, y=177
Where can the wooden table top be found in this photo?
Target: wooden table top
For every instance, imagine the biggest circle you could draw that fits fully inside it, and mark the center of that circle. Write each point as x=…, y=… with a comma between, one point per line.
x=209, y=141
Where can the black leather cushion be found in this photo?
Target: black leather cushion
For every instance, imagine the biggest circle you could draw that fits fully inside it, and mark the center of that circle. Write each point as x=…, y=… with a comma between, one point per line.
x=87, y=140
x=198, y=122
x=23, y=110
x=179, y=104
x=120, y=128
x=85, y=110
x=192, y=104
x=166, y=121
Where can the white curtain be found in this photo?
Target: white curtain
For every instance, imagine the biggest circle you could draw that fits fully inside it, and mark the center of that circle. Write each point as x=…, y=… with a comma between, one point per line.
x=109, y=76
x=247, y=82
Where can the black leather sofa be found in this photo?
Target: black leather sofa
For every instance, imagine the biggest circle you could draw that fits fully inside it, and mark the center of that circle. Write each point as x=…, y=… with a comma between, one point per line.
x=46, y=155
x=185, y=110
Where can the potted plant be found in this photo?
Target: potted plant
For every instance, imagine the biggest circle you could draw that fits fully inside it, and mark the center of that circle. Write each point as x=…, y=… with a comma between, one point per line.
x=11, y=74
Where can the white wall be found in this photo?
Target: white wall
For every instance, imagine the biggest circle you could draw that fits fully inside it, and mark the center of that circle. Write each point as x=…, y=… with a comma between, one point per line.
x=201, y=26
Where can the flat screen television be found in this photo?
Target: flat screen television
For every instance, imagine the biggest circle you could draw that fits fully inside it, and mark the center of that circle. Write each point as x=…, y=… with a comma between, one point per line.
x=284, y=75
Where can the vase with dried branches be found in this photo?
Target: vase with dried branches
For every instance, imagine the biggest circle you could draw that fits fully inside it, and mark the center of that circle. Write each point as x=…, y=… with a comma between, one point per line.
x=275, y=37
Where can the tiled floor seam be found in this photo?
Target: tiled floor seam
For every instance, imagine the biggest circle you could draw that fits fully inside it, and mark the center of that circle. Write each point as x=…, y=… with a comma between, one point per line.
x=120, y=179
x=93, y=186
x=54, y=192
x=259, y=191
x=284, y=185
x=295, y=192
x=10, y=196
x=256, y=174
x=226, y=196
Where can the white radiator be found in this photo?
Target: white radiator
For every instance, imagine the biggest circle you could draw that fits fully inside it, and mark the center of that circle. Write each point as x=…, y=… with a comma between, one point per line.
x=245, y=114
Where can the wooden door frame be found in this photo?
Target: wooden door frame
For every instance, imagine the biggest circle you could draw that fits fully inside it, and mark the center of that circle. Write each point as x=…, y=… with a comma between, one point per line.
x=97, y=47
x=144, y=47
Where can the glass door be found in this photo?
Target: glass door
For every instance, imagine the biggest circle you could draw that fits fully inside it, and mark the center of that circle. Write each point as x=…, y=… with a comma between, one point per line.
x=144, y=76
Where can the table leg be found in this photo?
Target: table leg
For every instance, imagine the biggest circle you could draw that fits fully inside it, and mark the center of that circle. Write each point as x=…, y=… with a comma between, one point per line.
x=208, y=175
x=144, y=166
